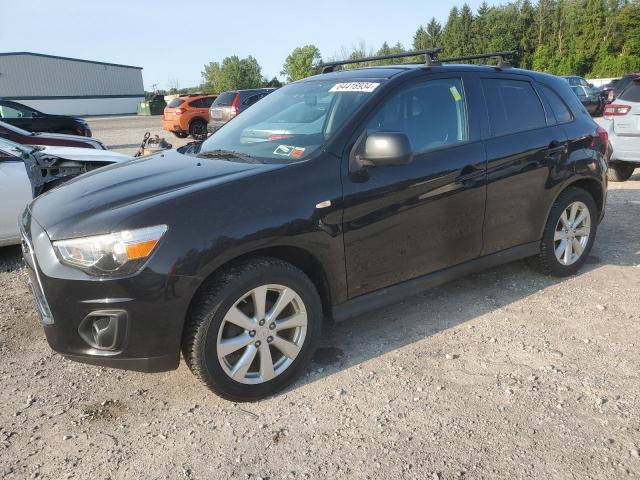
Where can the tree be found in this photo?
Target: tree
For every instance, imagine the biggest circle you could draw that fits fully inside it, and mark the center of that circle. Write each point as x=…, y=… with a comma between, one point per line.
x=302, y=62
x=420, y=39
x=434, y=33
x=232, y=74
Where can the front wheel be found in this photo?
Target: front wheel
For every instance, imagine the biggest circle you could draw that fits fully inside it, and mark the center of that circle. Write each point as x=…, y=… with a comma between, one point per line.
x=252, y=329
x=568, y=235
x=620, y=172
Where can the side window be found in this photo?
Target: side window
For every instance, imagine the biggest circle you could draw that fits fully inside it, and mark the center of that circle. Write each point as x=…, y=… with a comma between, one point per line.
x=513, y=106
x=10, y=112
x=432, y=114
x=559, y=108
x=253, y=99
x=206, y=102
x=196, y=103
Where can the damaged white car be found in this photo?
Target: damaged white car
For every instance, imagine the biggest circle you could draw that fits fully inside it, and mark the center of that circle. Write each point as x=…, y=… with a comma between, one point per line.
x=27, y=171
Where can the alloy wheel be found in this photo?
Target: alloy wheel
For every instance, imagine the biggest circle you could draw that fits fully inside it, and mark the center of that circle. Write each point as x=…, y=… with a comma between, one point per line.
x=572, y=233
x=262, y=334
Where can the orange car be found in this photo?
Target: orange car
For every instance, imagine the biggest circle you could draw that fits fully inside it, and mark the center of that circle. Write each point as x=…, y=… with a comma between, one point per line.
x=188, y=115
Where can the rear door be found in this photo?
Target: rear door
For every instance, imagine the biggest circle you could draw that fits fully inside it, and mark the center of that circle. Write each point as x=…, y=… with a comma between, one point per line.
x=628, y=125
x=523, y=144
x=404, y=221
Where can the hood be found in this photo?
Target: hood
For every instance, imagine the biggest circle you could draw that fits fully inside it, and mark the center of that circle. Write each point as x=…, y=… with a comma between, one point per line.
x=63, y=137
x=99, y=201
x=85, y=154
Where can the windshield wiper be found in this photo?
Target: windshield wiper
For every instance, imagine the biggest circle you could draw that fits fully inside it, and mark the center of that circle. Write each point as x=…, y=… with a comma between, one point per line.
x=228, y=153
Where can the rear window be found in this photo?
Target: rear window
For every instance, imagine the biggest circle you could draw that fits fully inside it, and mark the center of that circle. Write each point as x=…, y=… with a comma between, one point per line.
x=513, y=106
x=176, y=102
x=225, y=99
x=632, y=92
x=559, y=108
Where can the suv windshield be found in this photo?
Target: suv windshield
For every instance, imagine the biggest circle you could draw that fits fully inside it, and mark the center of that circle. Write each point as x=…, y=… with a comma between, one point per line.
x=291, y=123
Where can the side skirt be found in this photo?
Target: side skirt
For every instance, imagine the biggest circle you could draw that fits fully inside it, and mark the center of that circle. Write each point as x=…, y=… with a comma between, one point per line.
x=386, y=296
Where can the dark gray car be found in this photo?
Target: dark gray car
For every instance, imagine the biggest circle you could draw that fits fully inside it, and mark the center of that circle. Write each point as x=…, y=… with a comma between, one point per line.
x=230, y=104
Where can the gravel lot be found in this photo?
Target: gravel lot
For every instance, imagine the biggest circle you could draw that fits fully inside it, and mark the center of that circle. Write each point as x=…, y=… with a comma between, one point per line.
x=504, y=374
x=124, y=134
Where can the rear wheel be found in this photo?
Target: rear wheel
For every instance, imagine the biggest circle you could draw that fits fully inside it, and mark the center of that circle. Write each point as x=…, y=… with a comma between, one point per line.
x=198, y=129
x=619, y=172
x=252, y=329
x=568, y=235
x=181, y=134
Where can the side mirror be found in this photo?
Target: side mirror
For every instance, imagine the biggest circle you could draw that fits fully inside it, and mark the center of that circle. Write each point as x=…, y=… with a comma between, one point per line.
x=591, y=85
x=386, y=148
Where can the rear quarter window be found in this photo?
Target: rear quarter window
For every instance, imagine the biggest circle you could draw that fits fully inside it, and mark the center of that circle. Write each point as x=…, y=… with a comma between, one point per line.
x=176, y=102
x=513, y=106
x=559, y=108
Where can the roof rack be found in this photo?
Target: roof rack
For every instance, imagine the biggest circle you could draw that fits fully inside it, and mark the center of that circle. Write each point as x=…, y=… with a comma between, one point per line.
x=430, y=54
x=502, y=57
x=431, y=58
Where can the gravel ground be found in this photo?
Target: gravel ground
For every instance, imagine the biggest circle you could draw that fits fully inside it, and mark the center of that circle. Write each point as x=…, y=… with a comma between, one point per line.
x=504, y=374
x=124, y=134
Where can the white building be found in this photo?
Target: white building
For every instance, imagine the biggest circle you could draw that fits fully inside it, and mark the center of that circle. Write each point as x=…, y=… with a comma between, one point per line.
x=69, y=86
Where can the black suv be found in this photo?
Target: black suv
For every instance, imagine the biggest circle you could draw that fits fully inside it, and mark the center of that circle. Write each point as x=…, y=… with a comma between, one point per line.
x=376, y=183
x=33, y=120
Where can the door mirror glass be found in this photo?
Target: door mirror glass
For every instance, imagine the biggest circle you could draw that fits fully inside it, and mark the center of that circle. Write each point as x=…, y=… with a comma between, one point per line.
x=386, y=148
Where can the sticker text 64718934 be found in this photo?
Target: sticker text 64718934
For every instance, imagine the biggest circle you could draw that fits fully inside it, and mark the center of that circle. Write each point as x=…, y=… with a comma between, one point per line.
x=366, y=87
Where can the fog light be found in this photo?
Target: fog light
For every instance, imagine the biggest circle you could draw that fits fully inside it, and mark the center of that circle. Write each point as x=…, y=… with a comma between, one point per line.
x=104, y=330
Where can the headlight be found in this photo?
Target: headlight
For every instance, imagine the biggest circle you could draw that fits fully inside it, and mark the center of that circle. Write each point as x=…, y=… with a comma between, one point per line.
x=115, y=254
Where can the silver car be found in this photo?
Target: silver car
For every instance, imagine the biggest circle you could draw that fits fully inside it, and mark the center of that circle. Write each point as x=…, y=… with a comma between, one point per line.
x=622, y=122
x=230, y=104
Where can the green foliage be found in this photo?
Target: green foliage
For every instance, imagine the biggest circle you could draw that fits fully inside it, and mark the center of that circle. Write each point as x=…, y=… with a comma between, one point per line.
x=233, y=73
x=584, y=37
x=302, y=62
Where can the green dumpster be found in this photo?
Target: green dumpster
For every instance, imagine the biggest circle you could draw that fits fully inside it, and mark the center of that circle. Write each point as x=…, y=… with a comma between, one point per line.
x=154, y=106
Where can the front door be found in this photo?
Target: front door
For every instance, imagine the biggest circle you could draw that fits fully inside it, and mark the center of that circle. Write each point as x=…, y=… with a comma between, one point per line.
x=401, y=222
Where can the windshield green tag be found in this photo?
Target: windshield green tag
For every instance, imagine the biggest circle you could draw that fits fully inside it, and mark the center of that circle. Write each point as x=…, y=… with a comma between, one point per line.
x=456, y=95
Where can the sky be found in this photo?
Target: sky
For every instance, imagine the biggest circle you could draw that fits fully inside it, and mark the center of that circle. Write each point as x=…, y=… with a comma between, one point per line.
x=173, y=40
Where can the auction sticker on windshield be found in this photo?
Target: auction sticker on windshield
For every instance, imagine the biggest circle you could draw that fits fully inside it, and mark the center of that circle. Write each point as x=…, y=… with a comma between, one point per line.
x=367, y=87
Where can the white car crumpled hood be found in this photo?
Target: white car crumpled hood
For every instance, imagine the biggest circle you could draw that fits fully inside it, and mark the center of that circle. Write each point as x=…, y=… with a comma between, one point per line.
x=86, y=154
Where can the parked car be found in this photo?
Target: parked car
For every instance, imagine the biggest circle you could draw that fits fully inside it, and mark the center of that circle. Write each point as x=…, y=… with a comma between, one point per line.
x=622, y=84
x=27, y=171
x=188, y=115
x=606, y=89
x=33, y=120
x=590, y=98
x=230, y=104
x=18, y=135
x=622, y=122
x=235, y=256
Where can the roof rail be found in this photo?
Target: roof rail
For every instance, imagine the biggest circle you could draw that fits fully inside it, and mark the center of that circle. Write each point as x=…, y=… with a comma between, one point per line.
x=431, y=58
x=430, y=54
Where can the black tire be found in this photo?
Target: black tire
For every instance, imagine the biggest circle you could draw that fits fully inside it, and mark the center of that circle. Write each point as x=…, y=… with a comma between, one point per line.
x=618, y=172
x=211, y=305
x=198, y=129
x=546, y=262
x=181, y=134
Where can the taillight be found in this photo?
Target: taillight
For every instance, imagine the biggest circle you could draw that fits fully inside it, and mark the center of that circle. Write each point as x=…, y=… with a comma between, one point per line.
x=279, y=136
x=179, y=111
x=613, y=110
x=604, y=136
x=234, y=105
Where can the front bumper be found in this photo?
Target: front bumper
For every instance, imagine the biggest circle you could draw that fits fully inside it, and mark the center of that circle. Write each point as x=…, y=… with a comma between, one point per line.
x=152, y=306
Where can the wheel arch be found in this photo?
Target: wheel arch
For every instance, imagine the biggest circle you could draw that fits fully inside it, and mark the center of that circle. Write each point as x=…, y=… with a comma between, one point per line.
x=296, y=256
